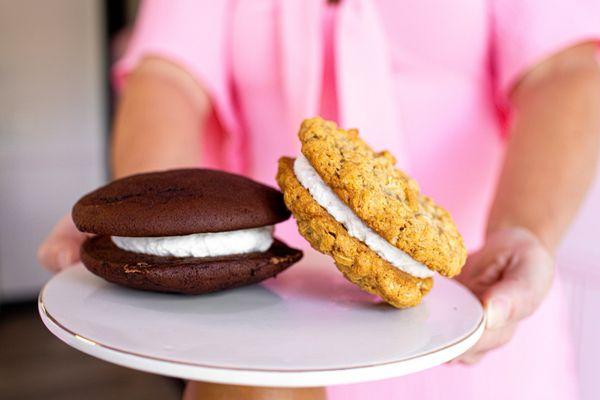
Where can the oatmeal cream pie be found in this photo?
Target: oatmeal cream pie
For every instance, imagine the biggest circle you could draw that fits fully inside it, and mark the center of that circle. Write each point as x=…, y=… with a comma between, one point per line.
x=353, y=204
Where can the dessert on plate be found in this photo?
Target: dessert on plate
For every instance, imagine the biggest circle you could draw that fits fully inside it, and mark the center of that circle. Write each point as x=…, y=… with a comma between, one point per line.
x=186, y=231
x=353, y=204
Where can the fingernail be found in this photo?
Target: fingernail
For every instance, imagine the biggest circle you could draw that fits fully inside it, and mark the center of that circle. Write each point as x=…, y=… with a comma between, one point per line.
x=497, y=312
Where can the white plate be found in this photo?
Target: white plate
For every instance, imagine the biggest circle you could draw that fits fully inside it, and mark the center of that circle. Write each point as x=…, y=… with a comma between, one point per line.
x=307, y=327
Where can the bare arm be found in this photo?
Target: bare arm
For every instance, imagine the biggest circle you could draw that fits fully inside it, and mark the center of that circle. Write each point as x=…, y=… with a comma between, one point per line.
x=550, y=162
x=158, y=120
x=553, y=147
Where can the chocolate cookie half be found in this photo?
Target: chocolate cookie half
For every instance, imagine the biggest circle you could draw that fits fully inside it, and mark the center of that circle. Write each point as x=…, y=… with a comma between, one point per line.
x=190, y=275
x=187, y=231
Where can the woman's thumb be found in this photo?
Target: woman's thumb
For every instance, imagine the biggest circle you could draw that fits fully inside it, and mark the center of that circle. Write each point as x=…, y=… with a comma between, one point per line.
x=520, y=290
x=60, y=248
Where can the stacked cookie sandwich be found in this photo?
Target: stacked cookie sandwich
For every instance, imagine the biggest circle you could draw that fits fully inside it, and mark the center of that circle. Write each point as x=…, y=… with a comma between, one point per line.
x=353, y=204
x=187, y=231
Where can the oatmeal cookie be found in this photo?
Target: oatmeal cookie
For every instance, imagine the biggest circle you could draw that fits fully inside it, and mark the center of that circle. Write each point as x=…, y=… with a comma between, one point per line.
x=354, y=259
x=382, y=196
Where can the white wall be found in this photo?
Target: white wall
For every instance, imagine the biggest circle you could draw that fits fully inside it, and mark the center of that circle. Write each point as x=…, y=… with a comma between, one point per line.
x=51, y=125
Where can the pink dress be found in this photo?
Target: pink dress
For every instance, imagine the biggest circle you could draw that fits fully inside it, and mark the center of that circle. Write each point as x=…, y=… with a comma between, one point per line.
x=425, y=79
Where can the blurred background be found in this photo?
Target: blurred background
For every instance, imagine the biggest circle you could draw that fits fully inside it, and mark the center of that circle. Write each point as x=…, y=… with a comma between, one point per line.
x=55, y=111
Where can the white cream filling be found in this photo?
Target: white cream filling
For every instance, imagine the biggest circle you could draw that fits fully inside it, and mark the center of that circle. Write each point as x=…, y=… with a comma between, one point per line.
x=310, y=179
x=200, y=244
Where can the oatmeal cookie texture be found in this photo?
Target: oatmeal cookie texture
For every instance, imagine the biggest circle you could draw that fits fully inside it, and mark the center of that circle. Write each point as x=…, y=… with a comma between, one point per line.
x=354, y=259
x=381, y=195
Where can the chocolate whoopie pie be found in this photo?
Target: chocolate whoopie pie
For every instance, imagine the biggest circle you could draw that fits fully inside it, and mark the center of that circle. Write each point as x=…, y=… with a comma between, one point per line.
x=185, y=231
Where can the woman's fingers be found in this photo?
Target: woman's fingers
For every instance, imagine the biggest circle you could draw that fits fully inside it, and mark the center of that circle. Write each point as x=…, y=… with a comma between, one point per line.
x=511, y=275
x=60, y=248
x=522, y=288
x=56, y=256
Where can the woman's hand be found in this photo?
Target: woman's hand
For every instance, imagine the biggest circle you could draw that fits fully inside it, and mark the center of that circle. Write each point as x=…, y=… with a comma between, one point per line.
x=511, y=275
x=60, y=249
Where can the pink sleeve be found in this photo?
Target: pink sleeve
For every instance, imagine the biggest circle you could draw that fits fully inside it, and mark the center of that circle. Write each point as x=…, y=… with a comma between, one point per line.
x=527, y=31
x=192, y=34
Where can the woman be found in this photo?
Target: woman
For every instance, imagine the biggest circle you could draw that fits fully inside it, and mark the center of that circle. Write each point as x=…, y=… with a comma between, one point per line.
x=492, y=106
